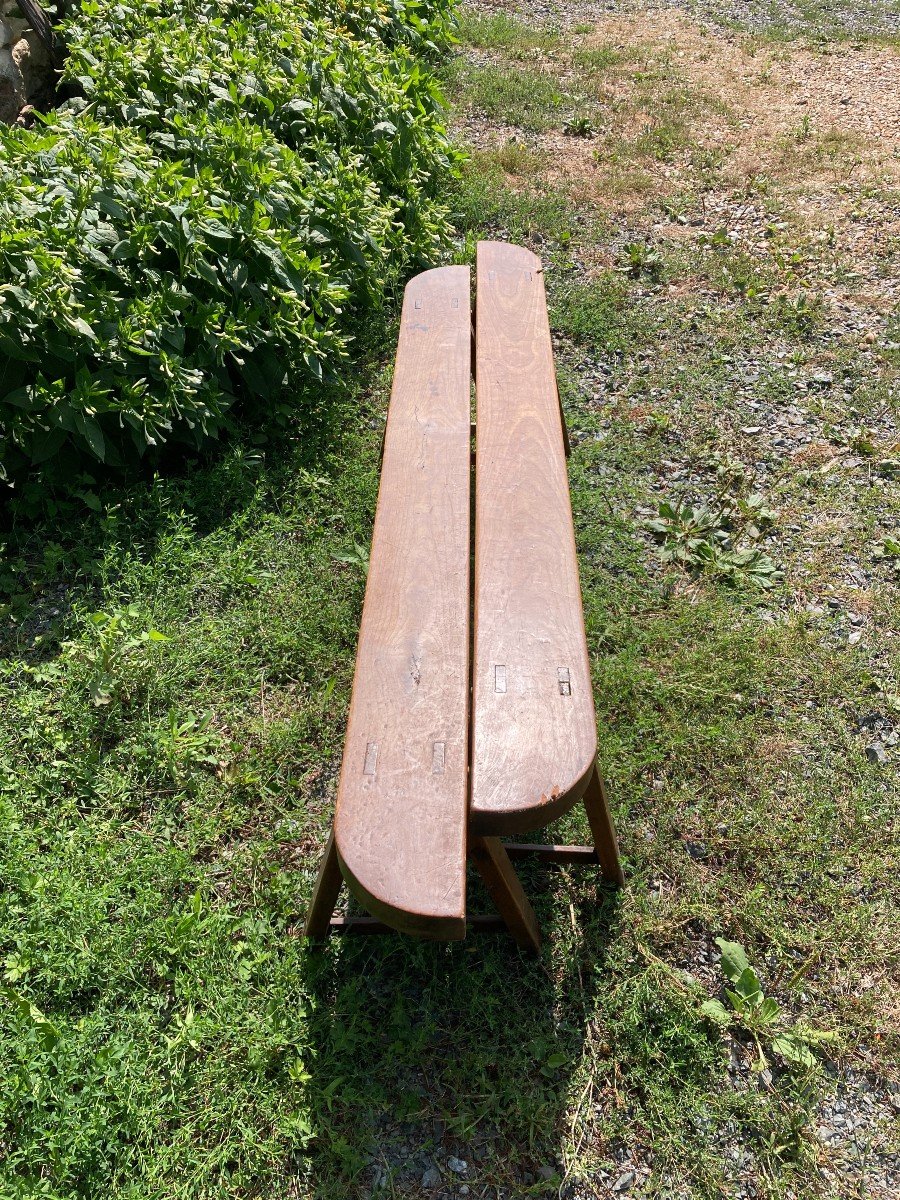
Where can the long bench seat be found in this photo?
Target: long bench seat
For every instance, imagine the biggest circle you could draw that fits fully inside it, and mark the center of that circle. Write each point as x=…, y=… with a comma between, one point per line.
x=458, y=736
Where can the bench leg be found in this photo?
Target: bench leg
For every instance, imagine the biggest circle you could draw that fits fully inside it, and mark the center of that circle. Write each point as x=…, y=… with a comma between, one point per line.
x=602, y=829
x=506, y=891
x=567, y=445
x=325, y=894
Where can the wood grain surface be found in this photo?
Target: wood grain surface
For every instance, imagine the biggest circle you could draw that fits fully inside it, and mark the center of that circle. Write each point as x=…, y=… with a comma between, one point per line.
x=534, y=737
x=400, y=820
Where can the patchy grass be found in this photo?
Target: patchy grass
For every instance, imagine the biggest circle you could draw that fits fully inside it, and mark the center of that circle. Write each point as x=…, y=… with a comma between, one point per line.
x=500, y=30
x=167, y=770
x=673, y=106
x=526, y=98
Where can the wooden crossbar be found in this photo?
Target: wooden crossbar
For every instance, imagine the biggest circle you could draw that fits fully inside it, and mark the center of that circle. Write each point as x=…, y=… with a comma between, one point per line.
x=482, y=922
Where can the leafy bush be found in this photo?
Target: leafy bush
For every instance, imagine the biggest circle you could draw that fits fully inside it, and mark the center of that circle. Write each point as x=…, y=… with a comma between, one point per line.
x=205, y=220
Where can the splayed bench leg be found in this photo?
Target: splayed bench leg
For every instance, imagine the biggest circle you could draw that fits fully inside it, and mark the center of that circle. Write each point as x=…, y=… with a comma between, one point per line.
x=603, y=830
x=325, y=894
x=501, y=881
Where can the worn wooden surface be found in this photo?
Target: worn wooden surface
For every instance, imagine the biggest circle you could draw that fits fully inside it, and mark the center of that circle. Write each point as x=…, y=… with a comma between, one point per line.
x=534, y=739
x=400, y=820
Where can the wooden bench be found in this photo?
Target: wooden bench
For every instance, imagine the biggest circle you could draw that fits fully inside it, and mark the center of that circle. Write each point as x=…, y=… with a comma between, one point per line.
x=458, y=736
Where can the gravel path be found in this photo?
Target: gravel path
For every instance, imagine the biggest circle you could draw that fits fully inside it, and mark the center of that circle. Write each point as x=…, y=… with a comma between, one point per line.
x=842, y=17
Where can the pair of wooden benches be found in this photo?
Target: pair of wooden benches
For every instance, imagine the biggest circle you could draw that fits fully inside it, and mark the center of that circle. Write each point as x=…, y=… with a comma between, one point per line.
x=472, y=715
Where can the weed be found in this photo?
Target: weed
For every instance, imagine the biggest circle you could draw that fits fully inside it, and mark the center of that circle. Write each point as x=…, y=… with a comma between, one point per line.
x=502, y=31
x=185, y=743
x=582, y=127
x=595, y=59
x=357, y=557
x=117, y=637
x=518, y=159
x=641, y=259
x=759, y=1015
x=700, y=540
x=526, y=98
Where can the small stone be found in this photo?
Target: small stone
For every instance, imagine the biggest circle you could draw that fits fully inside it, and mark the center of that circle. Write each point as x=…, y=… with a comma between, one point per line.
x=871, y=720
x=546, y=1172
x=624, y=1182
x=464, y=1190
x=457, y=1165
x=876, y=753
x=431, y=1178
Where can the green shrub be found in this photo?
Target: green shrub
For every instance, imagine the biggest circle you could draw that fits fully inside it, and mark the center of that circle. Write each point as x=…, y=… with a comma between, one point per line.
x=205, y=221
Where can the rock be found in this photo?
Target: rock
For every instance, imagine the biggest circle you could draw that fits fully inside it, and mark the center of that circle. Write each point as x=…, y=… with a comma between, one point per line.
x=431, y=1178
x=873, y=720
x=876, y=753
x=624, y=1182
x=31, y=57
x=457, y=1165
x=12, y=86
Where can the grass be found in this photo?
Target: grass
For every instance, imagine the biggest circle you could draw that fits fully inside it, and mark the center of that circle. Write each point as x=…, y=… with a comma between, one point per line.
x=167, y=770
x=527, y=98
x=502, y=31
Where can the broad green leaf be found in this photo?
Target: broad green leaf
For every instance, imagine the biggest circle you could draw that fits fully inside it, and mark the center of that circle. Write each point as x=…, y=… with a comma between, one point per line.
x=81, y=326
x=748, y=987
x=737, y=1002
x=733, y=961
x=793, y=1050
x=28, y=1012
x=716, y=1011
x=768, y=1010
x=92, y=433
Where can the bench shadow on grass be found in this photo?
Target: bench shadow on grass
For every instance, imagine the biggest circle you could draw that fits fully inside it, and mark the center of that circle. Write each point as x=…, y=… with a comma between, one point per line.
x=421, y=1052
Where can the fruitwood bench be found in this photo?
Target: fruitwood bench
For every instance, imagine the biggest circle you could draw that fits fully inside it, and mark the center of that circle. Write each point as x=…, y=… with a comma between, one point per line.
x=440, y=763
